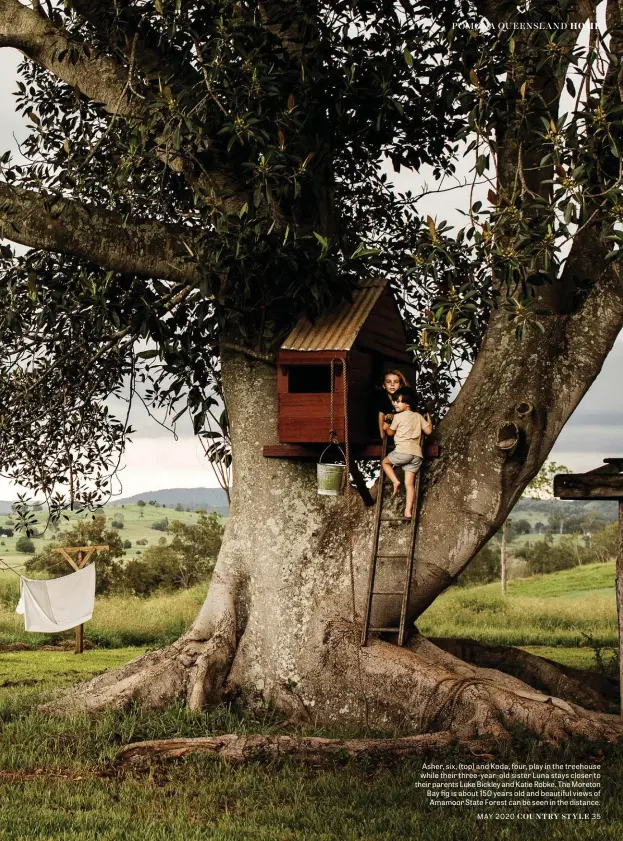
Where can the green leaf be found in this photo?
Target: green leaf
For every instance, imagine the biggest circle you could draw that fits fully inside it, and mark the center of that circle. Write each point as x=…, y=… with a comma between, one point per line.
x=322, y=240
x=614, y=147
x=408, y=57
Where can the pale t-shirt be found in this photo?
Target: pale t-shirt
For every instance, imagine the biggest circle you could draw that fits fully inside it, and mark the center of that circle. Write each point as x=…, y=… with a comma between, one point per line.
x=408, y=437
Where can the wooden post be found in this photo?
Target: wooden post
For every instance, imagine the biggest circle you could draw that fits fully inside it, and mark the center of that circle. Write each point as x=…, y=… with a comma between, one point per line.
x=619, y=591
x=83, y=556
x=79, y=649
x=503, y=558
x=605, y=482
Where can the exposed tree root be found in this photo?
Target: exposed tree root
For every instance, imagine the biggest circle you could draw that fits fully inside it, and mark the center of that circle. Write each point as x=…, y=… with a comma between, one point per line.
x=588, y=689
x=450, y=703
x=434, y=695
x=425, y=691
x=152, y=680
x=194, y=668
x=244, y=748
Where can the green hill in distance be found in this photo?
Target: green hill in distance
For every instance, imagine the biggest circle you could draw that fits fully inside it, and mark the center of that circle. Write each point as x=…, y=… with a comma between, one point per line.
x=212, y=499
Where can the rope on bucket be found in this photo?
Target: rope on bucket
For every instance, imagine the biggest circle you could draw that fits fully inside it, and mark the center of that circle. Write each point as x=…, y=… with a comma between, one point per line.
x=333, y=439
x=332, y=432
x=332, y=476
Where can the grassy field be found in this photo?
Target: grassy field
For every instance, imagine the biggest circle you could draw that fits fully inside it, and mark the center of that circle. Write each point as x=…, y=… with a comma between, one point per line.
x=563, y=610
x=118, y=621
x=136, y=527
x=530, y=539
x=59, y=779
x=47, y=670
x=560, y=609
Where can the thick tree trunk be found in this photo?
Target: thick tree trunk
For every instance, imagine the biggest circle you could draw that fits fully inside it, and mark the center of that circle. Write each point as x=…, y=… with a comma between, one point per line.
x=278, y=628
x=532, y=386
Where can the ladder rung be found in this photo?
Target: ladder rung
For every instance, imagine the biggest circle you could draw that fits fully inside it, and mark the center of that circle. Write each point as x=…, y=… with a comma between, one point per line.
x=388, y=592
x=396, y=519
x=392, y=555
x=394, y=630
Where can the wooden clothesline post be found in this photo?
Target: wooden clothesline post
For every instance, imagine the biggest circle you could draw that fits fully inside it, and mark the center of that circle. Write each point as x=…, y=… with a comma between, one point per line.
x=83, y=556
x=604, y=482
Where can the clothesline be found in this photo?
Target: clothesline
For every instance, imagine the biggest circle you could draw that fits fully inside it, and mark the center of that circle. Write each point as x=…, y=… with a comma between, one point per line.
x=12, y=569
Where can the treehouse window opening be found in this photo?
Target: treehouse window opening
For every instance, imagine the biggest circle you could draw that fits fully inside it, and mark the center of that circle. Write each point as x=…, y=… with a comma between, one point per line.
x=311, y=379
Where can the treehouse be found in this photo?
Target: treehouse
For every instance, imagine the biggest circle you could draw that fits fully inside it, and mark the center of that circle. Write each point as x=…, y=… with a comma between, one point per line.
x=365, y=337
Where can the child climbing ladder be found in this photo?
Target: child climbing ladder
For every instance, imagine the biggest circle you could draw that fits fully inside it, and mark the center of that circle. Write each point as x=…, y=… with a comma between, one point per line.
x=406, y=428
x=404, y=403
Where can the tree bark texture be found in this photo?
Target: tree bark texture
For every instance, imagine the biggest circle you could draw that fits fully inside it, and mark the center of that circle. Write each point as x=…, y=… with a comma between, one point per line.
x=55, y=223
x=98, y=77
x=591, y=690
x=619, y=592
x=237, y=749
x=277, y=627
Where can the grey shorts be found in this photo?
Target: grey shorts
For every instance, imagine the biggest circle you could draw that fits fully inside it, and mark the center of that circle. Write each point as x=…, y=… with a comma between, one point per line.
x=408, y=462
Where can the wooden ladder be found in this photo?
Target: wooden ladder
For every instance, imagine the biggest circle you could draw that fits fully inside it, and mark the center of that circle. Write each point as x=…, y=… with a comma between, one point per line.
x=376, y=556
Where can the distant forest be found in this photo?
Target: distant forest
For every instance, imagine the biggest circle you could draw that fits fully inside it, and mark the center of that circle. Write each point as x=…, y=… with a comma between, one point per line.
x=607, y=510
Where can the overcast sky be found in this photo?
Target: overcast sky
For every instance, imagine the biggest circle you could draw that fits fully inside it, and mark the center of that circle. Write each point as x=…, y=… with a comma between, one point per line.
x=154, y=460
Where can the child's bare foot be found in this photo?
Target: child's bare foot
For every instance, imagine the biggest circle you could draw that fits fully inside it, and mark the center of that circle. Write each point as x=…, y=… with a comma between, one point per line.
x=396, y=486
x=408, y=514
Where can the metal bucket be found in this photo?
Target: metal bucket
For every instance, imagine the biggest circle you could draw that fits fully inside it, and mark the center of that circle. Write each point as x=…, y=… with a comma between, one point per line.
x=330, y=477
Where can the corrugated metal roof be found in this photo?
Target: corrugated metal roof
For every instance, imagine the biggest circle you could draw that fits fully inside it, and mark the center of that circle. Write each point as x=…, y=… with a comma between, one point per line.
x=338, y=329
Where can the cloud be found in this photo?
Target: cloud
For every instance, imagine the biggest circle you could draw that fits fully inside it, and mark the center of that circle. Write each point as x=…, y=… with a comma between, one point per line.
x=595, y=430
x=12, y=125
x=153, y=463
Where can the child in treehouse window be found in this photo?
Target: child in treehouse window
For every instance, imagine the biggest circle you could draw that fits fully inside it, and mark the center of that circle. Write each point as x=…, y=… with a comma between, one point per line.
x=392, y=381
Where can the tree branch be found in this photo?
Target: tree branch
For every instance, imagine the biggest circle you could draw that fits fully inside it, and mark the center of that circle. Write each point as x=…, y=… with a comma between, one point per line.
x=103, y=79
x=552, y=370
x=148, y=57
x=143, y=248
x=98, y=77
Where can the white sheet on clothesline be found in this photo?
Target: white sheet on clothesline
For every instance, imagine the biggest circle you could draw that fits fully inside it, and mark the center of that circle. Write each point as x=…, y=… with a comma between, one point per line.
x=59, y=603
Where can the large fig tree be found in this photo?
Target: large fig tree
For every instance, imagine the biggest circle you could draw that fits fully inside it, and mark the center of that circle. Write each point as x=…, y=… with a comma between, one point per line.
x=196, y=176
